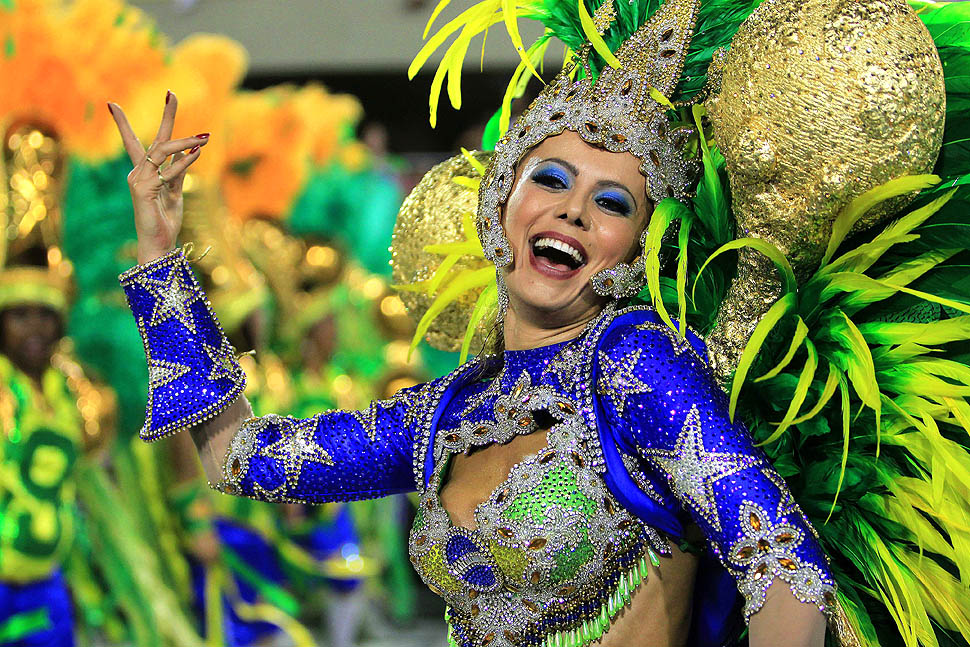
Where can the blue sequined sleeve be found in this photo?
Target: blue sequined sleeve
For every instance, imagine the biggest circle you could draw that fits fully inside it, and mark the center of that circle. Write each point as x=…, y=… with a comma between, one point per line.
x=333, y=456
x=671, y=414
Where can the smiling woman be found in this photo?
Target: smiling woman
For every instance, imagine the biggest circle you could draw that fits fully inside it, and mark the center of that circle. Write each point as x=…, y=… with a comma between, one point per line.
x=574, y=211
x=567, y=483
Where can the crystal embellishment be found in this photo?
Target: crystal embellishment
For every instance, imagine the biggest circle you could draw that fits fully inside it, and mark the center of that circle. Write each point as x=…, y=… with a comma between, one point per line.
x=692, y=470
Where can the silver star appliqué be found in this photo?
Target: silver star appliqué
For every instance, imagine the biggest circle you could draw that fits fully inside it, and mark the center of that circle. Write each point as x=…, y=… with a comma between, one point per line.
x=161, y=372
x=173, y=296
x=692, y=470
x=296, y=447
x=619, y=379
x=566, y=363
x=223, y=365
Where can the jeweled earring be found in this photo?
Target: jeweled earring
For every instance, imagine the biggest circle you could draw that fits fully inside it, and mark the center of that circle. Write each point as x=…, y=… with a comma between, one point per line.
x=503, y=295
x=622, y=280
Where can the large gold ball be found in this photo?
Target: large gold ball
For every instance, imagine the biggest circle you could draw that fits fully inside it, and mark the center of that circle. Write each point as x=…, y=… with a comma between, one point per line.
x=819, y=102
x=432, y=214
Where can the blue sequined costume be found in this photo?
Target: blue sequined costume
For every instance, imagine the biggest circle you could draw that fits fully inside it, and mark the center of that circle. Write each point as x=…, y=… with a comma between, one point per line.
x=639, y=444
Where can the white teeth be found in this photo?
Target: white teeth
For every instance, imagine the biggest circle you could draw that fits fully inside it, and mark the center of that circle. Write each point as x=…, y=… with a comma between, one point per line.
x=561, y=246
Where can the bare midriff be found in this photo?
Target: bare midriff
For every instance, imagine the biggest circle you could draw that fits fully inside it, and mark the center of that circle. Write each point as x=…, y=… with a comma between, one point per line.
x=658, y=614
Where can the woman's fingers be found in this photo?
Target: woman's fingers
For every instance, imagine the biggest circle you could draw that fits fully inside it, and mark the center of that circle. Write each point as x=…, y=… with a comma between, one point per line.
x=168, y=120
x=134, y=148
x=160, y=152
x=180, y=164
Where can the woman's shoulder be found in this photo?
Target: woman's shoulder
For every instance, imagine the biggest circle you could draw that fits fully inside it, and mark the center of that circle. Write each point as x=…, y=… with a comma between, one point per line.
x=639, y=332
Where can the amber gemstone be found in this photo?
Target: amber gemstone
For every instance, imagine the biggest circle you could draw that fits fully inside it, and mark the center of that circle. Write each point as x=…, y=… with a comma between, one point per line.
x=667, y=35
x=655, y=158
x=763, y=545
x=499, y=252
x=592, y=127
x=627, y=86
x=475, y=610
x=784, y=538
x=452, y=438
x=565, y=407
x=524, y=421
x=505, y=532
x=420, y=540
x=538, y=543
x=577, y=459
x=501, y=495
x=787, y=563
x=618, y=138
x=501, y=408
x=557, y=116
x=473, y=593
x=530, y=605
x=668, y=53
x=829, y=598
x=746, y=552
x=511, y=636
x=489, y=637
x=626, y=523
x=610, y=508
x=755, y=521
x=481, y=431
x=535, y=577
x=760, y=571
x=608, y=282
x=236, y=467
x=548, y=456
x=566, y=591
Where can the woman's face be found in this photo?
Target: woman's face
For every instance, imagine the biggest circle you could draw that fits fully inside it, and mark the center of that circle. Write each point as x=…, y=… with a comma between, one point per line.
x=574, y=210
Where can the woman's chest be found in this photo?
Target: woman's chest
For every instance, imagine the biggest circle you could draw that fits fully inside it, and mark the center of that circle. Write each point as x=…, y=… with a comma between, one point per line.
x=522, y=537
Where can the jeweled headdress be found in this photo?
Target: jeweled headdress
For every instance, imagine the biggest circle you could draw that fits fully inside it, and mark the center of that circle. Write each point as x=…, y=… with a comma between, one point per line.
x=632, y=70
x=623, y=110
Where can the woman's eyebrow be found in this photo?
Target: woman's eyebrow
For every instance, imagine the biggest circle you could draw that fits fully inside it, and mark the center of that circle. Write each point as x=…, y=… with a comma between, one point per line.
x=569, y=167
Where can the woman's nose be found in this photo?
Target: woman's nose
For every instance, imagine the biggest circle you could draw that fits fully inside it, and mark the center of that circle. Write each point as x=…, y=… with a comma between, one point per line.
x=574, y=212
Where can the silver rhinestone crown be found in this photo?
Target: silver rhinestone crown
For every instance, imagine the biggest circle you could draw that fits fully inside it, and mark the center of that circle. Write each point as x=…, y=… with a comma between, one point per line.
x=616, y=112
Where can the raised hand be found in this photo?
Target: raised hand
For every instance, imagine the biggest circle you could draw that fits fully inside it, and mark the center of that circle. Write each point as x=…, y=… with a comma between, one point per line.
x=156, y=187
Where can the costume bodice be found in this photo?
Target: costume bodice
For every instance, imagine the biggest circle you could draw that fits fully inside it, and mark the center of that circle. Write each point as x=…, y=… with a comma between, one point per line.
x=553, y=551
x=640, y=440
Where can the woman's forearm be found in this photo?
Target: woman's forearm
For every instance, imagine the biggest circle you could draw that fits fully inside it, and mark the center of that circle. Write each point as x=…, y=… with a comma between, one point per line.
x=784, y=620
x=212, y=438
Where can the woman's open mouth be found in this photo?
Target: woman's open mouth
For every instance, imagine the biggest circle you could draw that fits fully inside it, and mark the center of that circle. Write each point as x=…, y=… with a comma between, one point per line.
x=556, y=255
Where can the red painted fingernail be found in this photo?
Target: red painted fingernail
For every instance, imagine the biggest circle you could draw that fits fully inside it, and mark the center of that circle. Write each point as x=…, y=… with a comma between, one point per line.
x=202, y=136
x=110, y=110
x=194, y=148
x=168, y=96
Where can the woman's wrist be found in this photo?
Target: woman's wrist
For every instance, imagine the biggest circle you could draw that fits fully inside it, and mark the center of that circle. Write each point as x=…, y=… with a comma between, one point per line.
x=147, y=254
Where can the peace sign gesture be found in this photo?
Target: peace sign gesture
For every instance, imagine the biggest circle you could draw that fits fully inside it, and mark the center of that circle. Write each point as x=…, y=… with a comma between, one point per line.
x=156, y=187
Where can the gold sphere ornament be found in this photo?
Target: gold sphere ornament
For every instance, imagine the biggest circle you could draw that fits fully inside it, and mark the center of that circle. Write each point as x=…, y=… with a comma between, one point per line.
x=814, y=104
x=434, y=213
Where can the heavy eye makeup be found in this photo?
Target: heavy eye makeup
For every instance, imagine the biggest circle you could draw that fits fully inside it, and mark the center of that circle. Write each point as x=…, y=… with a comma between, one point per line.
x=615, y=202
x=551, y=176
